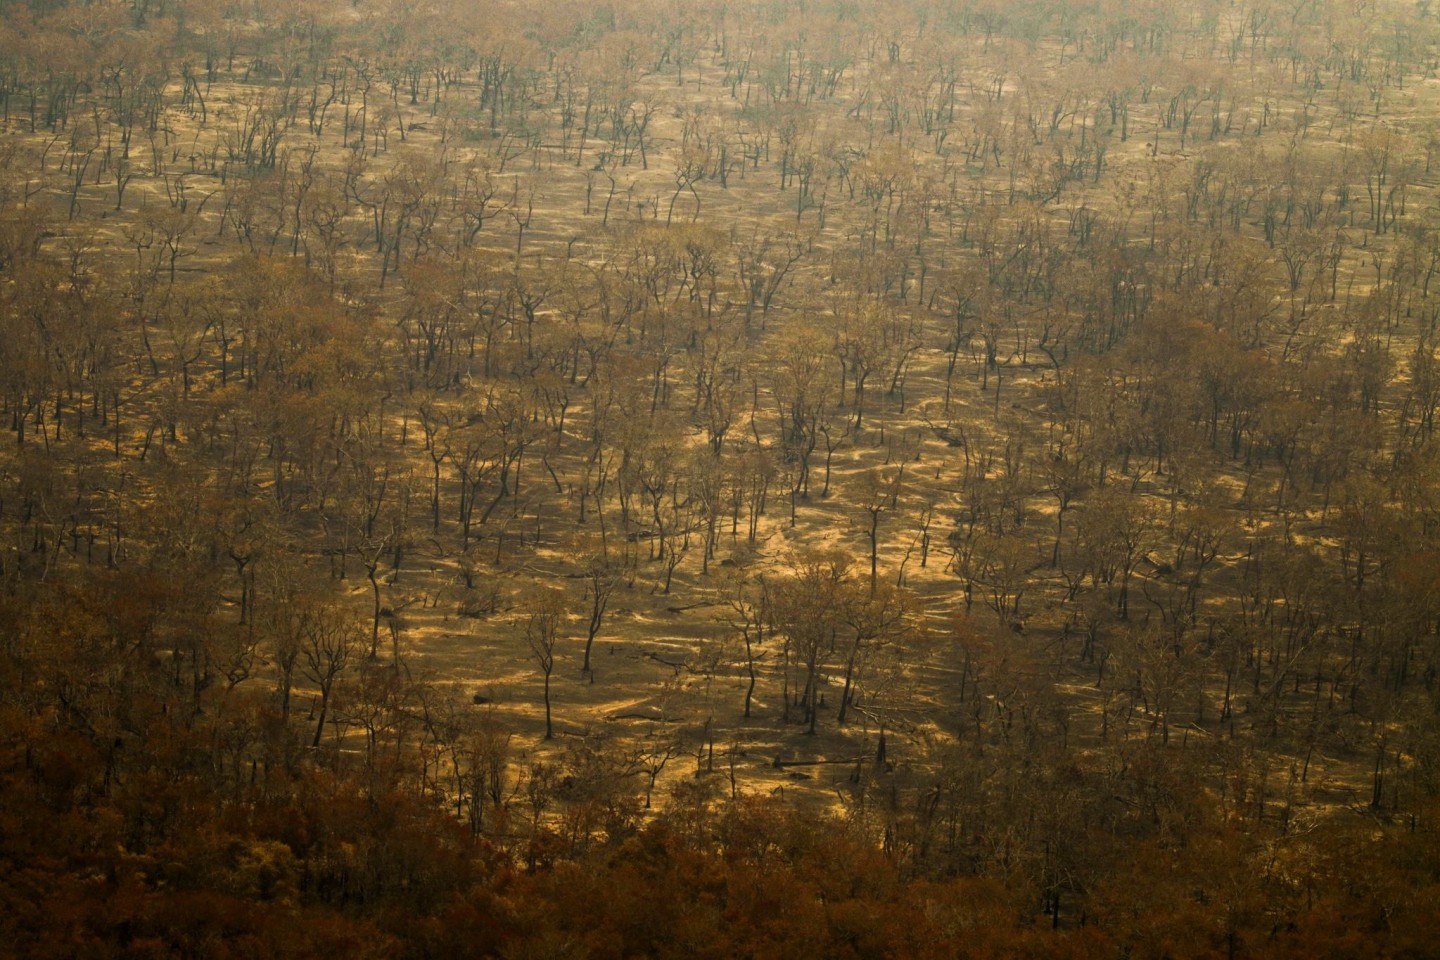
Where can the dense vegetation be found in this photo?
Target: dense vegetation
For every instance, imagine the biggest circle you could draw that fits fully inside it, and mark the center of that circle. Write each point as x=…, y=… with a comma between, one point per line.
x=993, y=441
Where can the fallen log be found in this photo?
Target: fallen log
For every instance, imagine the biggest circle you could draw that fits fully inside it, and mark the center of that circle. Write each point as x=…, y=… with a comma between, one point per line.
x=642, y=716
x=676, y=665
x=779, y=764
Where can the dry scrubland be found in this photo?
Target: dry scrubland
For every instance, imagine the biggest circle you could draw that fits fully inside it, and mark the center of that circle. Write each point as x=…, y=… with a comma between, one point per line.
x=1005, y=428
